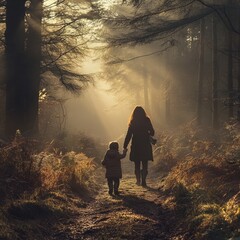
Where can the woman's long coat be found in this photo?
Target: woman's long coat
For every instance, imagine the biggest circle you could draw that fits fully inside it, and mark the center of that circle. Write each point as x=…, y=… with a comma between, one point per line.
x=141, y=148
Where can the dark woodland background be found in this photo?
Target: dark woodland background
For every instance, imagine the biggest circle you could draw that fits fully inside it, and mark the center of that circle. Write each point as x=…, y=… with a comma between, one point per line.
x=70, y=74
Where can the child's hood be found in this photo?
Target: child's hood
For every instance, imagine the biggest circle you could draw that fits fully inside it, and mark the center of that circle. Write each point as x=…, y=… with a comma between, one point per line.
x=112, y=153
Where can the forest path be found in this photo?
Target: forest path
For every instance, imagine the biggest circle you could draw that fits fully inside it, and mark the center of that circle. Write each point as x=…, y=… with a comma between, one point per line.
x=136, y=214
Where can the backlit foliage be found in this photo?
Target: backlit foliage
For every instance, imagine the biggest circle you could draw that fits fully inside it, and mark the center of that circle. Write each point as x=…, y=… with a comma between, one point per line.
x=202, y=175
x=26, y=166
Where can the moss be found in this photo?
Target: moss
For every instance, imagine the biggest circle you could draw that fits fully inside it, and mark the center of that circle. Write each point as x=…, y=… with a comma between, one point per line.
x=211, y=208
x=29, y=210
x=52, y=205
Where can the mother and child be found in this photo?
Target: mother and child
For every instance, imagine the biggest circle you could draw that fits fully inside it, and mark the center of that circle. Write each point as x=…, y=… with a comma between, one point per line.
x=139, y=132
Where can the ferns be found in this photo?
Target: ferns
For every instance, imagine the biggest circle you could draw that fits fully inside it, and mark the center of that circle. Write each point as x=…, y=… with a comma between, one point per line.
x=25, y=167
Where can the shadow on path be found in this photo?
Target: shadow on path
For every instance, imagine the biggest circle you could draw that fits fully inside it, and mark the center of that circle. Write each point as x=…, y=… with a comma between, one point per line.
x=141, y=206
x=151, y=189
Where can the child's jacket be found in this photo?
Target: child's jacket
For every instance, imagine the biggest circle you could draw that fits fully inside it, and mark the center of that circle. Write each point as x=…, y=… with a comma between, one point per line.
x=113, y=164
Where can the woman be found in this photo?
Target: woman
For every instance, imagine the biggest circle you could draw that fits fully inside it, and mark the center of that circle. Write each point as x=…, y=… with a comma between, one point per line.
x=139, y=130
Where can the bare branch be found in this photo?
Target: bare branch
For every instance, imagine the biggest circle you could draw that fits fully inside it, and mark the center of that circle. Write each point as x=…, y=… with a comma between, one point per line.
x=168, y=43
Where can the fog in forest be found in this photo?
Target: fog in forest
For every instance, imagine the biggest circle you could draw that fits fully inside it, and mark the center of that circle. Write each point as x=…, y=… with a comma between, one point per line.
x=143, y=77
x=179, y=71
x=103, y=112
x=71, y=74
x=104, y=117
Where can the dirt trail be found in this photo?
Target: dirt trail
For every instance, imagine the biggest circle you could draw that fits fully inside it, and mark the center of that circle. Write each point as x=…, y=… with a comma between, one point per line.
x=136, y=214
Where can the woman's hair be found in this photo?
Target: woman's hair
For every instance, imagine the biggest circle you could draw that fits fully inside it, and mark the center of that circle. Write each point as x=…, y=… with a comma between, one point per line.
x=113, y=146
x=138, y=115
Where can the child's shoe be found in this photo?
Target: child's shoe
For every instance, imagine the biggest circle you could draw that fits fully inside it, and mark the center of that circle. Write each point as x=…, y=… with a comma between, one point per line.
x=138, y=182
x=144, y=184
x=116, y=193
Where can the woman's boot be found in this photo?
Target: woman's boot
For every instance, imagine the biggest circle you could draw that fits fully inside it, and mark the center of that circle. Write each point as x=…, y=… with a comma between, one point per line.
x=144, y=175
x=138, y=182
x=138, y=173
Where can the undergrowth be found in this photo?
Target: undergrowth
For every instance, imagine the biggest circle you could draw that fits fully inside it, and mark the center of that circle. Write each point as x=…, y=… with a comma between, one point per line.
x=39, y=183
x=202, y=176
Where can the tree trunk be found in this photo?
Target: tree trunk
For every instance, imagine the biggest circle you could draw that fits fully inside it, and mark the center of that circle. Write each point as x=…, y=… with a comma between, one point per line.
x=138, y=98
x=15, y=66
x=200, y=72
x=168, y=103
x=23, y=66
x=146, y=91
x=215, y=120
x=238, y=69
x=33, y=51
x=230, y=71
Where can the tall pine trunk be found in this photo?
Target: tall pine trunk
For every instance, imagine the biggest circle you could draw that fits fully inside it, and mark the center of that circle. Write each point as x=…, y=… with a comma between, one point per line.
x=146, y=93
x=238, y=68
x=33, y=53
x=200, y=72
x=230, y=74
x=168, y=102
x=215, y=120
x=15, y=66
x=23, y=59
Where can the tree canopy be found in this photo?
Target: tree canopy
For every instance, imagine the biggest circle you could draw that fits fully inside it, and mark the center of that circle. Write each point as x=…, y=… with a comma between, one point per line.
x=138, y=22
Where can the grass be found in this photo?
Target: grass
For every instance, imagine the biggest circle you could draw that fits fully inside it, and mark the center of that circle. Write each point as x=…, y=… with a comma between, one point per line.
x=28, y=219
x=40, y=185
x=200, y=183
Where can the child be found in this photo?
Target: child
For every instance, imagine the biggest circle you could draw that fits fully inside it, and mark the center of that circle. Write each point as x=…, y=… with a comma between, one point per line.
x=113, y=167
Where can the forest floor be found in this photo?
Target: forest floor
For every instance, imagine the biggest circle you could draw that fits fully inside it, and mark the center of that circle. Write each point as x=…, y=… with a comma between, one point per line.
x=138, y=213
x=193, y=200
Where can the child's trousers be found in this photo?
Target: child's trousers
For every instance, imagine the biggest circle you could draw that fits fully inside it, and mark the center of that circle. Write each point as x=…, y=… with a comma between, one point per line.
x=113, y=184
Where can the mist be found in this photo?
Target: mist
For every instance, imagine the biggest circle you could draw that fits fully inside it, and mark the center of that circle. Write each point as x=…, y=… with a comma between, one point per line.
x=98, y=114
x=71, y=74
x=143, y=77
x=103, y=109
